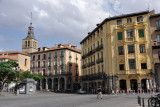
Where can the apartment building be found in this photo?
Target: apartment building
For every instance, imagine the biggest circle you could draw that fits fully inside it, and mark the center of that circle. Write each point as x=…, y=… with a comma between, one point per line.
x=60, y=66
x=155, y=34
x=117, y=54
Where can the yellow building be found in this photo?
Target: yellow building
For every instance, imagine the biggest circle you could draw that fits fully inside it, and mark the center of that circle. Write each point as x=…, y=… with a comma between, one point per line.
x=117, y=54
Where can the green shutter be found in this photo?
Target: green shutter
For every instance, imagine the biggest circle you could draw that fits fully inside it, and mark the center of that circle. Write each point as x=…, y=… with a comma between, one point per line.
x=120, y=36
x=141, y=33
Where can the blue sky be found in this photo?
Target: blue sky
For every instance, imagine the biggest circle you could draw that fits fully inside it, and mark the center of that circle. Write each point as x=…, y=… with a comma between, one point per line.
x=59, y=21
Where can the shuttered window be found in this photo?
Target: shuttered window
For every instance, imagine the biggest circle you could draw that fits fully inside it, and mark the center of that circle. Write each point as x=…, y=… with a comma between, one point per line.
x=120, y=36
x=141, y=33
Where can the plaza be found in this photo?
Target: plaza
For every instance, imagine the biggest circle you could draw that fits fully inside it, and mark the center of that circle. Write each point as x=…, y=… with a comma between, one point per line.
x=50, y=99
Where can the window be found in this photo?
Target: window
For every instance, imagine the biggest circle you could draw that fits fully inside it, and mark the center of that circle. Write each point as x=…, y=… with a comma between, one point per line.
x=44, y=56
x=61, y=61
x=159, y=55
x=143, y=66
x=158, y=24
x=101, y=41
x=55, y=70
x=139, y=19
x=119, y=22
x=129, y=20
x=44, y=71
x=62, y=71
x=97, y=43
x=25, y=43
x=62, y=53
x=131, y=48
x=38, y=71
x=141, y=33
x=55, y=62
x=33, y=64
x=44, y=63
x=49, y=55
x=38, y=64
x=49, y=70
x=33, y=57
x=158, y=38
x=132, y=64
x=142, y=48
x=28, y=43
x=39, y=57
x=55, y=54
x=120, y=36
x=49, y=63
x=120, y=50
x=121, y=66
x=130, y=33
x=25, y=63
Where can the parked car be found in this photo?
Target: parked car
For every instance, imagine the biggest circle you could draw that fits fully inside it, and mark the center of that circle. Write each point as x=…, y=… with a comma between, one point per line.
x=80, y=91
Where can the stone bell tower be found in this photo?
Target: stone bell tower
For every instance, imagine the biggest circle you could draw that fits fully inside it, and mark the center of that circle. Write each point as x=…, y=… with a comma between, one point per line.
x=30, y=44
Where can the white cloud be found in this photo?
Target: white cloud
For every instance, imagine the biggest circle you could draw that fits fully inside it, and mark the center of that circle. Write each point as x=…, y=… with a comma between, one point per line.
x=67, y=20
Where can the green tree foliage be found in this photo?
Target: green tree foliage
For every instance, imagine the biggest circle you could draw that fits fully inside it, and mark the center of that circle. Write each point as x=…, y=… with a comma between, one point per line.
x=27, y=74
x=7, y=70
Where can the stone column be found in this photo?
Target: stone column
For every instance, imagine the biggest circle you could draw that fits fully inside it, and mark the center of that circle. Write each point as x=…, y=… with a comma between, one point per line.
x=40, y=85
x=58, y=83
x=47, y=83
x=52, y=83
x=65, y=83
x=128, y=84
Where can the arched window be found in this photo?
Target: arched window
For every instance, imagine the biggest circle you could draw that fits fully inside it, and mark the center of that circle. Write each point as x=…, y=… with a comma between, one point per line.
x=25, y=43
x=28, y=43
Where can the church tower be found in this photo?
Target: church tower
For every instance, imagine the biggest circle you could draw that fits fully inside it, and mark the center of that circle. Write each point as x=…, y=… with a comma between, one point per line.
x=30, y=44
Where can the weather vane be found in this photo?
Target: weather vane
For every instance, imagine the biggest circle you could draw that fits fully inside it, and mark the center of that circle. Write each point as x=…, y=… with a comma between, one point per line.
x=31, y=19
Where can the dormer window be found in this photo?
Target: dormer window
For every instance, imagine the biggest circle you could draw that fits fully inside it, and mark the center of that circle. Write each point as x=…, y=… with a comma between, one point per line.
x=129, y=20
x=119, y=22
x=139, y=19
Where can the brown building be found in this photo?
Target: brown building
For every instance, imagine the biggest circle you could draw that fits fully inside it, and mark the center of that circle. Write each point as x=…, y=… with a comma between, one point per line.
x=60, y=66
x=22, y=58
x=155, y=34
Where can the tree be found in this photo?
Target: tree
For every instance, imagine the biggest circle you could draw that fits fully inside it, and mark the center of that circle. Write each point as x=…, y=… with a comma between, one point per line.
x=27, y=74
x=8, y=71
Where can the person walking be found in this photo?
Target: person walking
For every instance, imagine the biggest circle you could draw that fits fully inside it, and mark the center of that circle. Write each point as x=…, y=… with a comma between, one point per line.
x=99, y=92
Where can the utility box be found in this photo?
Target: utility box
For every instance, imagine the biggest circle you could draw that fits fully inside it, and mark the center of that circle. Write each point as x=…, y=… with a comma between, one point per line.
x=28, y=86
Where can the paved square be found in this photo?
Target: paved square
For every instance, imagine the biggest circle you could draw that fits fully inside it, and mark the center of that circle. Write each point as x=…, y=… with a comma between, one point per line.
x=50, y=99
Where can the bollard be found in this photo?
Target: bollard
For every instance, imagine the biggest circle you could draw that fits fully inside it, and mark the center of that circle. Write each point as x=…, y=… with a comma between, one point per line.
x=143, y=102
x=138, y=99
x=148, y=103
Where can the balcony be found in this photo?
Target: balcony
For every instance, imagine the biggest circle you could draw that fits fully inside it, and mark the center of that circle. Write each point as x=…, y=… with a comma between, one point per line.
x=49, y=65
x=55, y=56
x=84, y=56
x=61, y=64
x=44, y=58
x=90, y=77
x=49, y=57
x=33, y=59
x=70, y=56
x=99, y=47
x=69, y=73
x=43, y=66
x=130, y=39
x=38, y=66
x=38, y=58
x=83, y=66
x=46, y=74
x=32, y=67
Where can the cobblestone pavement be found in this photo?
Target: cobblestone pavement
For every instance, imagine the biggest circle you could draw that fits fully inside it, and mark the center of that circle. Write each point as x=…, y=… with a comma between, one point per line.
x=49, y=99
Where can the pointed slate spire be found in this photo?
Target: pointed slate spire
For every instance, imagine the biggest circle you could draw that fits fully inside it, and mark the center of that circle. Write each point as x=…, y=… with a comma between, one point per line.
x=30, y=31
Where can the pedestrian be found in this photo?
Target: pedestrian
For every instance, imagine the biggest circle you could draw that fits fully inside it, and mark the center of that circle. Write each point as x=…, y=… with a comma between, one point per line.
x=99, y=92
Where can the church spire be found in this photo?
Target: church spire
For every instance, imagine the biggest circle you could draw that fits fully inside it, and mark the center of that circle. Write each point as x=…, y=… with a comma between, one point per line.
x=30, y=30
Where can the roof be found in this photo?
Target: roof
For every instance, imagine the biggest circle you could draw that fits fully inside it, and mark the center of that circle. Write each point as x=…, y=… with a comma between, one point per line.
x=28, y=80
x=115, y=18
x=14, y=52
x=155, y=15
x=7, y=57
x=65, y=46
